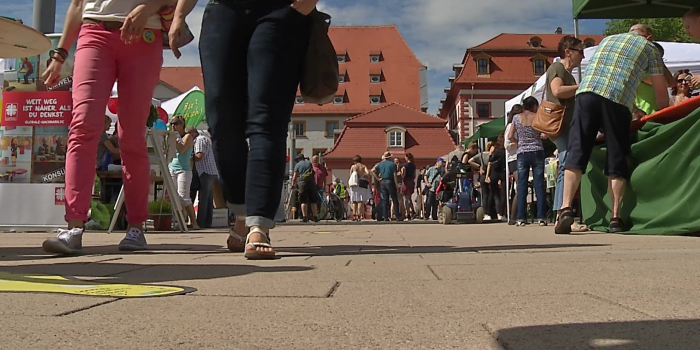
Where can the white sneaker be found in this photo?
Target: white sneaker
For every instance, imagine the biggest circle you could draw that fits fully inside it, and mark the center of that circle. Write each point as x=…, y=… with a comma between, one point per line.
x=500, y=218
x=67, y=242
x=487, y=218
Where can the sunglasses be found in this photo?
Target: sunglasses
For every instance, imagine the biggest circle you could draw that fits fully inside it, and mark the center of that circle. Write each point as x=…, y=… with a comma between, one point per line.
x=577, y=50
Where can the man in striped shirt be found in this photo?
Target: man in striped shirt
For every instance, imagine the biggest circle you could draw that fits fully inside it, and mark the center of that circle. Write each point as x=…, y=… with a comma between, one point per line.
x=605, y=99
x=205, y=165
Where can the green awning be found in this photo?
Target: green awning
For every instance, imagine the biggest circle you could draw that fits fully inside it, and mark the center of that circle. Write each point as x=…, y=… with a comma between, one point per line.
x=488, y=130
x=621, y=9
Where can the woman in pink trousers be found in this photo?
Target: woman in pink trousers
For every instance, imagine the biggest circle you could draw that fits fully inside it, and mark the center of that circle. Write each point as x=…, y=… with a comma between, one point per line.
x=118, y=40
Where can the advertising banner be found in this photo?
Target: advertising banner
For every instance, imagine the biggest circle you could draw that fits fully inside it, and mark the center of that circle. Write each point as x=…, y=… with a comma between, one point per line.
x=36, y=108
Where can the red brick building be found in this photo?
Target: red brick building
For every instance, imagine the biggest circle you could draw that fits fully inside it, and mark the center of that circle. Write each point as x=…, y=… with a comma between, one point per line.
x=394, y=127
x=494, y=72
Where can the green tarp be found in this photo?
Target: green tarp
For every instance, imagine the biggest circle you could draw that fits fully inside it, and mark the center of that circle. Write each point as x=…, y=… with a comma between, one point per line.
x=620, y=9
x=488, y=130
x=662, y=195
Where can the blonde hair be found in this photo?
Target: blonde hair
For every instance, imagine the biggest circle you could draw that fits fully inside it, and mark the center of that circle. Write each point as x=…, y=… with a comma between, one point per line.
x=488, y=146
x=177, y=118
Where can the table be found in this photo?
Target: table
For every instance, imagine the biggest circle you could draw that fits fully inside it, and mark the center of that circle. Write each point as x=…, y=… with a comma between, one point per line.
x=111, y=175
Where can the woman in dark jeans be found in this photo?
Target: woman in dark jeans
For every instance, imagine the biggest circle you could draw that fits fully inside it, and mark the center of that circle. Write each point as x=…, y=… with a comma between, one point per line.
x=252, y=52
x=496, y=175
x=530, y=156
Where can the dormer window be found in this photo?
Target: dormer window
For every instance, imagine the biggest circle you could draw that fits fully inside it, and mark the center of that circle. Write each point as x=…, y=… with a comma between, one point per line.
x=375, y=75
x=338, y=100
x=340, y=97
x=375, y=100
x=535, y=42
x=342, y=58
x=341, y=79
x=376, y=95
x=396, y=136
x=299, y=100
x=343, y=75
x=374, y=79
x=483, y=64
x=375, y=56
x=539, y=67
x=588, y=43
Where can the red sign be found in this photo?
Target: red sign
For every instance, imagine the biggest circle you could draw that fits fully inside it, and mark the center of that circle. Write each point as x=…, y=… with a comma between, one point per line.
x=36, y=108
x=60, y=196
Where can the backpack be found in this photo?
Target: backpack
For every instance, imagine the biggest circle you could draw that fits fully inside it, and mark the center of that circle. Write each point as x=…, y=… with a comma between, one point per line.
x=307, y=176
x=319, y=75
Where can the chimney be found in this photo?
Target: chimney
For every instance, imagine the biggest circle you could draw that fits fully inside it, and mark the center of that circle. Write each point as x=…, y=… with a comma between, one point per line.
x=558, y=31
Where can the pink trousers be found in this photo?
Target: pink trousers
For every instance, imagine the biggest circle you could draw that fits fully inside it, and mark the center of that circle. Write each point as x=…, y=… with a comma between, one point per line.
x=101, y=59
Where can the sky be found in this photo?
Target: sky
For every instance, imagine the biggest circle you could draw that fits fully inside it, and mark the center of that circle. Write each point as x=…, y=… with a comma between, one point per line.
x=438, y=31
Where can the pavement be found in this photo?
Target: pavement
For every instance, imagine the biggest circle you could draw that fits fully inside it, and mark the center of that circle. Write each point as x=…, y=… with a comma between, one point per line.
x=380, y=286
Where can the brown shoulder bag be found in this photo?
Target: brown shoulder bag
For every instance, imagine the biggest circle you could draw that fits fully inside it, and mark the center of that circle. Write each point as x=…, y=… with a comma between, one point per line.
x=550, y=116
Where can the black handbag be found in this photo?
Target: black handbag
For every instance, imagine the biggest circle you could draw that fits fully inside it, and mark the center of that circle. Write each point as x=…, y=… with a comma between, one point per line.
x=363, y=183
x=319, y=76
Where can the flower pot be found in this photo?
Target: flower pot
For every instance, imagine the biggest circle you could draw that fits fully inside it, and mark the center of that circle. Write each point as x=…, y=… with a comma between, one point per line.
x=162, y=222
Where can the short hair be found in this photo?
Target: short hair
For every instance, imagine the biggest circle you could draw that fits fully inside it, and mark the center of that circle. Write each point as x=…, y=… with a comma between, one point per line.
x=191, y=129
x=641, y=27
x=531, y=104
x=566, y=43
x=357, y=159
x=694, y=12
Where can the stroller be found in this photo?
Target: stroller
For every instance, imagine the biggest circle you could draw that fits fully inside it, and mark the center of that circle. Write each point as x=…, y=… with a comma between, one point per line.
x=459, y=200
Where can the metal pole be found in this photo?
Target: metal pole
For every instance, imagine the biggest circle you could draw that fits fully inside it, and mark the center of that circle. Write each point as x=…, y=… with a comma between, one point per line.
x=44, y=16
x=580, y=203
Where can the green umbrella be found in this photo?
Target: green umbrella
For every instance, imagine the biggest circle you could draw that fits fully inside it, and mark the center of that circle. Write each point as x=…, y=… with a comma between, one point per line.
x=621, y=9
x=489, y=130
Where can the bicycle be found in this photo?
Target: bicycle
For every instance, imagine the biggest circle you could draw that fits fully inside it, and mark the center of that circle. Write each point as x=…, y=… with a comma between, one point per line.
x=331, y=208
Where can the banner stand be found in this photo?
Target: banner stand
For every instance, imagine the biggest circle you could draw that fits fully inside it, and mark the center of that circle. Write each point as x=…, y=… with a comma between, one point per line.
x=156, y=138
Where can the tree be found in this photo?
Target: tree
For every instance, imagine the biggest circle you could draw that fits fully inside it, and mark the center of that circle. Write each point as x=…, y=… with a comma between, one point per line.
x=665, y=29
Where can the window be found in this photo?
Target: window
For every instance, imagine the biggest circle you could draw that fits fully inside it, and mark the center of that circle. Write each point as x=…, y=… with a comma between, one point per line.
x=331, y=126
x=375, y=100
x=299, y=100
x=319, y=151
x=338, y=100
x=374, y=58
x=535, y=43
x=299, y=128
x=483, y=110
x=483, y=66
x=395, y=138
x=342, y=58
x=374, y=79
x=341, y=79
x=539, y=67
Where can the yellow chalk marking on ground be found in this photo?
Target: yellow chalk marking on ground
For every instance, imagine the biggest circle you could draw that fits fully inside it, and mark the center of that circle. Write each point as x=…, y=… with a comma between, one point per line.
x=21, y=283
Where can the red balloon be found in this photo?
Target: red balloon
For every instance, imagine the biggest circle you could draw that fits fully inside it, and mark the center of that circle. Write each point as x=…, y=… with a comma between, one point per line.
x=163, y=115
x=112, y=105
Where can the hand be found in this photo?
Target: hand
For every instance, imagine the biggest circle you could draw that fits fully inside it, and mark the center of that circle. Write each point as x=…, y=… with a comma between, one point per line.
x=135, y=23
x=175, y=34
x=487, y=180
x=638, y=114
x=52, y=73
x=695, y=81
x=304, y=6
x=481, y=171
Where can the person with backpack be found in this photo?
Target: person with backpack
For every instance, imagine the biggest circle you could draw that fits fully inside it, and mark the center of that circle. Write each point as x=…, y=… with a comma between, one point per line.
x=305, y=182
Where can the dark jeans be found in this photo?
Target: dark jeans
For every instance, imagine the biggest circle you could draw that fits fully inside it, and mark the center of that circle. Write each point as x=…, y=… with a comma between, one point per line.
x=195, y=185
x=534, y=160
x=496, y=194
x=205, y=209
x=252, y=54
x=431, y=207
x=388, y=188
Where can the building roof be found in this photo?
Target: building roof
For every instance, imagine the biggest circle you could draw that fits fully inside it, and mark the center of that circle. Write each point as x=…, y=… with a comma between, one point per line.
x=426, y=136
x=548, y=42
x=182, y=79
x=398, y=66
x=511, y=57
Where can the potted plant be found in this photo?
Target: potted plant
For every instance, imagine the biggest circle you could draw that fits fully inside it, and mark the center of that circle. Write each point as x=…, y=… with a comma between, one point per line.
x=161, y=214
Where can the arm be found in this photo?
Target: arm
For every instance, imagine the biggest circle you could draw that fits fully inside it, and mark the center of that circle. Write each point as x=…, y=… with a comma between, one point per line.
x=511, y=136
x=561, y=91
x=110, y=147
x=74, y=19
x=184, y=143
x=198, y=151
x=396, y=181
x=473, y=163
x=660, y=90
x=403, y=172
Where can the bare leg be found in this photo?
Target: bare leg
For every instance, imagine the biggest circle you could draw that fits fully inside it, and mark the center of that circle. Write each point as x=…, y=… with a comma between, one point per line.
x=572, y=178
x=616, y=188
x=305, y=210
